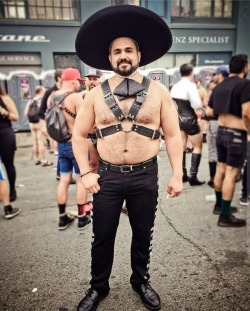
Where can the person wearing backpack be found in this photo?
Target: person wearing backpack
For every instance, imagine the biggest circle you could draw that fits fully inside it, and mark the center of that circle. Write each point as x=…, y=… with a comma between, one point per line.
x=63, y=106
x=32, y=112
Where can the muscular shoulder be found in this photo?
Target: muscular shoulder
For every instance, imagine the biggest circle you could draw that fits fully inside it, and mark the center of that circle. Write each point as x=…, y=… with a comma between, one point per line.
x=73, y=101
x=158, y=87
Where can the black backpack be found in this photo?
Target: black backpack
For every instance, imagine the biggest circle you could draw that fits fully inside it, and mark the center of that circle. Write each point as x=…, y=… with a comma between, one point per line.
x=34, y=111
x=55, y=121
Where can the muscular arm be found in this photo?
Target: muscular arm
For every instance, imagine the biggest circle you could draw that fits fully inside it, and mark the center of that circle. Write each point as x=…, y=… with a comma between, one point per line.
x=209, y=112
x=83, y=124
x=194, y=97
x=246, y=115
x=172, y=134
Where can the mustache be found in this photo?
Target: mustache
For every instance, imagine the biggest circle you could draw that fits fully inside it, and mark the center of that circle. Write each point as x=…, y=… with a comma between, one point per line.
x=124, y=61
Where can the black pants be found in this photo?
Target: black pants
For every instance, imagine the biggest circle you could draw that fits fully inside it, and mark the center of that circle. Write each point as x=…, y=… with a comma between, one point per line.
x=140, y=190
x=7, y=153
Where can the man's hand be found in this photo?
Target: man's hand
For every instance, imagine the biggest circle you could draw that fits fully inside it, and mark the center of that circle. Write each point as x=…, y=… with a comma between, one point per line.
x=175, y=187
x=90, y=182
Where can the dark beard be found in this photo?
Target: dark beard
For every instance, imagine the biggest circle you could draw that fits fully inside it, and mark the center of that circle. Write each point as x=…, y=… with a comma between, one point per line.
x=124, y=72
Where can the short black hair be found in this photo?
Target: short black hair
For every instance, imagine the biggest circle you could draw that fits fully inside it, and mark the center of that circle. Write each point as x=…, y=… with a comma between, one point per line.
x=186, y=69
x=237, y=63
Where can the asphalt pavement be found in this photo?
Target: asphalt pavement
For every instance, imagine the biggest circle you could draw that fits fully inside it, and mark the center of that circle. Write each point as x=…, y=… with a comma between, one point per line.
x=195, y=265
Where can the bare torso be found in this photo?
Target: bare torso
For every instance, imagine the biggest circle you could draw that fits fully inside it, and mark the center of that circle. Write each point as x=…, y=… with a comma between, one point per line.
x=127, y=147
x=231, y=121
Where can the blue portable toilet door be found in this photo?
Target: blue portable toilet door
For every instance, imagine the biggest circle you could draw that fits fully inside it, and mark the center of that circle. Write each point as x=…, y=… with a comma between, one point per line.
x=23, y=87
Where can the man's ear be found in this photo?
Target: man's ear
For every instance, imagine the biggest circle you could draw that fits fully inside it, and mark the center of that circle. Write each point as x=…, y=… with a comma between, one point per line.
x=109, y=58
x=139, y=56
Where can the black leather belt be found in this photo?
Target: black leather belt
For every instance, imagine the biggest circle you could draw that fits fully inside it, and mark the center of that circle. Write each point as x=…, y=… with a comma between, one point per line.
x=232, y=130
x=126, y=168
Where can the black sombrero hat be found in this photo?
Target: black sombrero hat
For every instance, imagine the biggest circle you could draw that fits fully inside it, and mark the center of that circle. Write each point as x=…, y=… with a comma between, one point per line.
x=140, y=24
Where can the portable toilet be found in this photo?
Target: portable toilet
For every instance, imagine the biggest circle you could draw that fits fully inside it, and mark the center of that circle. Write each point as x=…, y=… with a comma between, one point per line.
x=174, y=75
x=204, y=74
x=21, y=86
x=47, y=78
x=157, y=74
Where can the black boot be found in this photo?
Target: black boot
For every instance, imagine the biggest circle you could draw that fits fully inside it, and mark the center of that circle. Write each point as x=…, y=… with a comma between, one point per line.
x=195, y=162
x=212, y=171
x=184, y=170
x=13, y=195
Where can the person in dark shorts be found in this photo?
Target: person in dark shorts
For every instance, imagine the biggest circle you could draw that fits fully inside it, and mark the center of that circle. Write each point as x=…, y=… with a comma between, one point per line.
x=219, y=75
x=234, y=122
x=187, y=98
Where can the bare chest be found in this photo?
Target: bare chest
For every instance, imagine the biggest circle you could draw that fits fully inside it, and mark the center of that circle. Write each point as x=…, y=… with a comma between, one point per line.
x=146, y=113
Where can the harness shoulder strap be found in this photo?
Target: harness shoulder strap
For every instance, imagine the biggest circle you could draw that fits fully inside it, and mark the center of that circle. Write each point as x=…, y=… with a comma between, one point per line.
x=110, y=101
x=61, y=102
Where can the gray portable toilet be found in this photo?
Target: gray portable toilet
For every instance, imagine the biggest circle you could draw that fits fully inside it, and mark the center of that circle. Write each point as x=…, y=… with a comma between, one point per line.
x=204, y=74
x=47, y=78
x=157, y=74
x=21, y=86
x=174, y=75
x=3, y=81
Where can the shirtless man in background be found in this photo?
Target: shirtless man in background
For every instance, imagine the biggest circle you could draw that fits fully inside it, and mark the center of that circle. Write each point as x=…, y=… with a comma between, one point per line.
x=69, y=91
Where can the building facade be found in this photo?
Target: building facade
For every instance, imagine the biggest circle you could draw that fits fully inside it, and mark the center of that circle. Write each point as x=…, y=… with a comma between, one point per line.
x=39, y=35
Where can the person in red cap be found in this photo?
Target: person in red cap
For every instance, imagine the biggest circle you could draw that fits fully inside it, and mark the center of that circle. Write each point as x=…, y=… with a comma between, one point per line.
x=128, y=111
x=71, y=79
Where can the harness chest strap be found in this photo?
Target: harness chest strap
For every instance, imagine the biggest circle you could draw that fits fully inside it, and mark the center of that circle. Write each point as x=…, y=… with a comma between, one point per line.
x=110, y=101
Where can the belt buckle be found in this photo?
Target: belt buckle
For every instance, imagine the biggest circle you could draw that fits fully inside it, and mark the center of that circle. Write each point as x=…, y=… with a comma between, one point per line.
x=126, y=168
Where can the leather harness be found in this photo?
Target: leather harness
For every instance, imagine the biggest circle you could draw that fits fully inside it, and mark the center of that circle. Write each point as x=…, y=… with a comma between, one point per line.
x=110, y=101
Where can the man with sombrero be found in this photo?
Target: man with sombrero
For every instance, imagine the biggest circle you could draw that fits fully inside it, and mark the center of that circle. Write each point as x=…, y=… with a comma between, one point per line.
x=128, y=111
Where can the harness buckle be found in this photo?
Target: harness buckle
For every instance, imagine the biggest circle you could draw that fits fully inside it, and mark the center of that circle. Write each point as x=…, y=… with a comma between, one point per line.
x=153, y=135
x=126, y=168
x=99, y=132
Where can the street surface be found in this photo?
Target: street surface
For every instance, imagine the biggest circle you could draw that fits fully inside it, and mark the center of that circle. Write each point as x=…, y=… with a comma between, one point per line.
x=195, y=265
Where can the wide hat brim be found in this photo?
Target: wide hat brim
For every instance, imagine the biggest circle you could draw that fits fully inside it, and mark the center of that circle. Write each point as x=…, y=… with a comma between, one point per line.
x=140, y=24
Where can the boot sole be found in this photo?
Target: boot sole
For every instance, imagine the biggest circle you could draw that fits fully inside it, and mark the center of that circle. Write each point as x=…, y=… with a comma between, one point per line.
x=196, y=184
x=230, y=225
x=147, y=306
x=12, y=215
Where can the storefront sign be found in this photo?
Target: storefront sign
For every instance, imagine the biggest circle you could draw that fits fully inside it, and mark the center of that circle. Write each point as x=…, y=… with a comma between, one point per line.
x=20, y=59
x=201, y=39
x=23, y=38
x=189, y=40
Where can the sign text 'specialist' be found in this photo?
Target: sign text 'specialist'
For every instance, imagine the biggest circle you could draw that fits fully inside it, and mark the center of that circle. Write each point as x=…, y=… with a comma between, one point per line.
x=201, y=39
x=23, y=38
